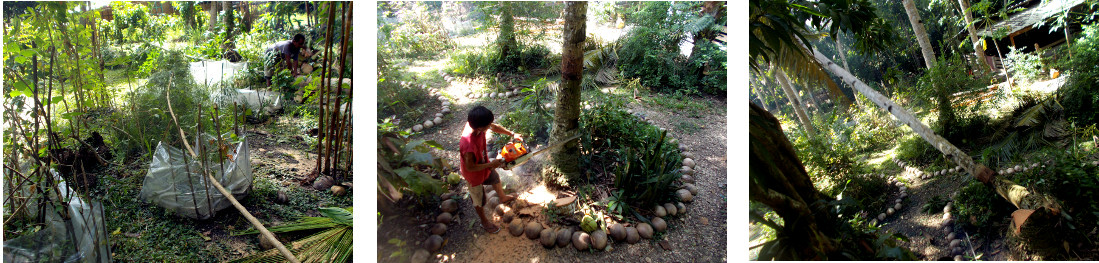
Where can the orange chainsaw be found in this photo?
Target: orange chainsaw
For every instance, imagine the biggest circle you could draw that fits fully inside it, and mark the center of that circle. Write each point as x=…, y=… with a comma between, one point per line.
x=515, y=154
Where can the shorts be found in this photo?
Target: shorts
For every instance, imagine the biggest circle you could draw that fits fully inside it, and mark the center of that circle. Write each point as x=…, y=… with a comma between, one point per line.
x=477, y=193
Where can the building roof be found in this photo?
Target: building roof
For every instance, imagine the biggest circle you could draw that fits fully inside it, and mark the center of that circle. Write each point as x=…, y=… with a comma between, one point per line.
x=1031, y=16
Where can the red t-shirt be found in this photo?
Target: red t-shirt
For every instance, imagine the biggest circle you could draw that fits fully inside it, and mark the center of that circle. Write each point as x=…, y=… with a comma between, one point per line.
x=473, y=143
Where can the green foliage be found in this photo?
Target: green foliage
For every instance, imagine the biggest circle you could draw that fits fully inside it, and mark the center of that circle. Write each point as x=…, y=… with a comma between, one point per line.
x=151, y=63
x=1071, y=180
x=1024, y=65
x=650, y=51
x=979, y=206
x=600, y=63
x=403, y=99
x=529, y=117
x=419, y=32
x=489, y=62
x=332, y=244
x=1081, y=95
x=647, y=174
x=148, y=120
x=406, y=165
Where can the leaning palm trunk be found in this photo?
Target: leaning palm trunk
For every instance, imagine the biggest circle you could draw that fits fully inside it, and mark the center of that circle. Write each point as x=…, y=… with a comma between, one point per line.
x=566, y=118
x=795, y=102
x=977, y=50
x=1014, y=193
x=921, y=33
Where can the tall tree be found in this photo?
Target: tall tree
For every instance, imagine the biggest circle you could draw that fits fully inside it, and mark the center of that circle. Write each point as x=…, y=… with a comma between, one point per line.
x=229, y=21
x=566, y=117
x=795, y=102
x=213, y=12
x=505, y=42
x=921, y=33
x=766, y=42
x=971, y=27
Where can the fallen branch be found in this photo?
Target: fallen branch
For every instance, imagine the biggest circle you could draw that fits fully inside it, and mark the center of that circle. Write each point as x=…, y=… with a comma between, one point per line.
x=251, y=219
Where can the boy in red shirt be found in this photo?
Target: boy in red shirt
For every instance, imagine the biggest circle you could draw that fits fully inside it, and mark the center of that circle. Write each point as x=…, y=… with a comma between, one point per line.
x=476, y=167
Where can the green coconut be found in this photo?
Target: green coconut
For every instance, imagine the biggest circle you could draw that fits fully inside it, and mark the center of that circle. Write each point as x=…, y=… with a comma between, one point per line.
x=589, y=223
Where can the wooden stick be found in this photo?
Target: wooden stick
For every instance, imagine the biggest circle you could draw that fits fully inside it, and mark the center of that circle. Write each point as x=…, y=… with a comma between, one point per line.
x=243, y=211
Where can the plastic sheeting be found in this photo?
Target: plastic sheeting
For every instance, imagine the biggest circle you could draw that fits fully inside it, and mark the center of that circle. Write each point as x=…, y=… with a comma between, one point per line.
x=212, y=72
x=175, y=180
x=257, y=100
x=81, y=238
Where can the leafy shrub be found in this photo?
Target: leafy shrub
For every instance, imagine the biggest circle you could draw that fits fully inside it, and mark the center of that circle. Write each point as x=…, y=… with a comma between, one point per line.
x=1081, y=95
x=418, y=33
x=607, y=131
x=402, y=99
x=148, y=120
x=645, y=178
x=406, y=165
x=651, y=52
x=1025, y=65
x=980, y=207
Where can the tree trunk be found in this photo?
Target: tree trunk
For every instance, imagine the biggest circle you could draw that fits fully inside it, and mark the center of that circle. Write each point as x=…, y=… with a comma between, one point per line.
x=839, y=50
x=779, y=180
x=505, y=42
x=566, y=117
x=213, y=16
x=229, y=23
x=792, y=96
x=921, y=33
x=1016, y=194
x=977, y=50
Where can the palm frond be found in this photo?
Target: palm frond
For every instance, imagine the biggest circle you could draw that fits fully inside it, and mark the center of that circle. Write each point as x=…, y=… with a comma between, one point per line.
x=331, y=245
x=600, y=66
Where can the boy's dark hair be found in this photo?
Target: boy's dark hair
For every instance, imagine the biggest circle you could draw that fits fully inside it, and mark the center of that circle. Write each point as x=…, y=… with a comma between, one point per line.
x=299, y=37
x=479, y=117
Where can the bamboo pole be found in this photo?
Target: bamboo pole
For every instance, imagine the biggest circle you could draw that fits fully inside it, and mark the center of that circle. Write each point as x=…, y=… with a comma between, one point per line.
x=324, y=89
x=243, y=211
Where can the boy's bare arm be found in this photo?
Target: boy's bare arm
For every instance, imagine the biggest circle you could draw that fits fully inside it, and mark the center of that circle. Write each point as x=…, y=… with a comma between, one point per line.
x=468, y=161
x=501, y=130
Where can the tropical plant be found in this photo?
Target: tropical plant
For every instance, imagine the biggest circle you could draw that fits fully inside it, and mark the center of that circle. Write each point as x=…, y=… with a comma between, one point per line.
x=647, y=174
x=1081, y=95
x=332, y=244
x=406, y=165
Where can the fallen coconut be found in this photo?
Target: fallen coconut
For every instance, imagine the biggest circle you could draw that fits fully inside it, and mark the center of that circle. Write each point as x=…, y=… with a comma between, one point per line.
x=946, y=216
x=444, y=218
x=564, y=237
x=881, y=217
x=890, y=211
x=324, y=182
x=438, y=229
x=282, y=198
x=688, y=155
x=439, y=114
x=950, y=236
x=533, y=229
x=681, y=208
x=338, y=190
x=438, y=119
x=659, y=225
x=516, y=227
x=617, y=231
x=684, y=195
x=428, y=124
x=903, y=195
x=903, y=188
x=632, y=236
x=449, y=206
x=686, y=179
x=599, y=240
x=959, y=258
x=645, y=230
x=947, y=208
x=898, y=200
x=692, y=188
x=658, y=210
x=580, y=240
x=420, y=256
x=955, y=243
x=433, y=243
x=686, y=170
x=266, y=243
x=548, y=238
x=670, y=208
x=897, y=207
x=689, y=163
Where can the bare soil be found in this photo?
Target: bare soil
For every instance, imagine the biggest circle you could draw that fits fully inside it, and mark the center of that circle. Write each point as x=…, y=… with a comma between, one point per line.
x=697, y=236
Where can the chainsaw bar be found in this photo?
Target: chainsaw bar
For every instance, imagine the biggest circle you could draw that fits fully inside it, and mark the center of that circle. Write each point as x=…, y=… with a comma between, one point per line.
x=526, y=157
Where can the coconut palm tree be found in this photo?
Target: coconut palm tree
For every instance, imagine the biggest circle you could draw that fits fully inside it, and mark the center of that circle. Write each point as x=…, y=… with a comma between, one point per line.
x=921, y=33
x=768, y=43
x=566, y=118
x=970, y=26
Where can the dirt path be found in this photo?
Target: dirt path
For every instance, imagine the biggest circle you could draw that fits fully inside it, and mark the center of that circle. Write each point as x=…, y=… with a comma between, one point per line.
x=698, y=236
x=929, y=233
